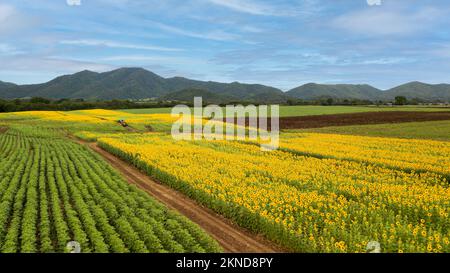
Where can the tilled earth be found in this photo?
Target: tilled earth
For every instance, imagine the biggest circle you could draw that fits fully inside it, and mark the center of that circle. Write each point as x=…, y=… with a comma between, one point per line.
x=319, y=121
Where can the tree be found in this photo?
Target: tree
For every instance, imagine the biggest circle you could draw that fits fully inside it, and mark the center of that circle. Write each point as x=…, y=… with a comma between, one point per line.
x=400, y=100
x=292, y=102
x=39, y=100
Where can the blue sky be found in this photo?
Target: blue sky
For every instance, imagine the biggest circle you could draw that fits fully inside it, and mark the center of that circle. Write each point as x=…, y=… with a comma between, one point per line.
x=282, y=43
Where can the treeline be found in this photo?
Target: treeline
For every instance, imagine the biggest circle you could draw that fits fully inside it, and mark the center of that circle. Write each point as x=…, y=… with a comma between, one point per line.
x=37, y=103
x=399, y=100
x=328, y=101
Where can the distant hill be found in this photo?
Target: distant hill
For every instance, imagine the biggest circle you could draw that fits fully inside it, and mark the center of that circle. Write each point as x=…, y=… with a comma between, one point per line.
x=6, y=84
x=419, y=90
x=412, y=90
x=313, y=91
x=5, y=87
x=136, y=83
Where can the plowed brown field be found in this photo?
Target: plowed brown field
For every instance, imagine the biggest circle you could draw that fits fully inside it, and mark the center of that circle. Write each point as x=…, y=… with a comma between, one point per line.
x=319, y=121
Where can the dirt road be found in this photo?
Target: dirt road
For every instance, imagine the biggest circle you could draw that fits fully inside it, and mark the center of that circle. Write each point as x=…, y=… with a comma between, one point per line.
x=231, y=237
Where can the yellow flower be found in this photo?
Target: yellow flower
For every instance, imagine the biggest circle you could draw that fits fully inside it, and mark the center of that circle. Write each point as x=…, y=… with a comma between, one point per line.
x=321, y=197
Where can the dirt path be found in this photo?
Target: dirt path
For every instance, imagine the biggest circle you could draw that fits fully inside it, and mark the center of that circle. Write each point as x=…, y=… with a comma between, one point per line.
x=232, y=238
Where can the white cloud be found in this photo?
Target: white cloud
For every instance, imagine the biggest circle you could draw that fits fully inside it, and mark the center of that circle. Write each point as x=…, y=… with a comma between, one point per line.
x=6, y=12
x=10, y=19
x=245, y=6
x=112, y=44
x=73, y=2
x=148, y=58
x=386, y=61
x=251, y=29
x=303, y=8
x=38, y=69
x=6, y=49
x=135, y=58
x=374, y=2
x=442, y=51
x=35, y=64
x=258, y=8
x=217, y=35
x=387, y=22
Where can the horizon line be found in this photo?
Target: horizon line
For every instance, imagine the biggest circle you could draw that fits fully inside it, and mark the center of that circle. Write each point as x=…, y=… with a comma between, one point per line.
x=178, y=76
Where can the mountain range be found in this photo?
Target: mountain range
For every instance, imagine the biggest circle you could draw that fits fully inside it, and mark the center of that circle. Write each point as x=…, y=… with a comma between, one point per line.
x=138, y=83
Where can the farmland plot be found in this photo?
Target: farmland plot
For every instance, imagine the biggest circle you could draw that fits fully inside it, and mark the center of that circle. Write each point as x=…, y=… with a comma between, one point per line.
x=317, y=193
x=406, y=154
x=53, y=191
x=305, y=203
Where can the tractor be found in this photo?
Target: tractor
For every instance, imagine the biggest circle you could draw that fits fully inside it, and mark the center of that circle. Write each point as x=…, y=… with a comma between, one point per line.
x=122, y=122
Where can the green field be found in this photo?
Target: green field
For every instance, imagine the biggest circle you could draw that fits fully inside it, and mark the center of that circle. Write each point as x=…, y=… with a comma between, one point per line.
x=53, y=191
x=437, y=130
x=292, y=111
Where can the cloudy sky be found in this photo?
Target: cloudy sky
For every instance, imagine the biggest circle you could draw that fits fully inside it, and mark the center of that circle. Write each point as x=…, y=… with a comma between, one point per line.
x=283, y=43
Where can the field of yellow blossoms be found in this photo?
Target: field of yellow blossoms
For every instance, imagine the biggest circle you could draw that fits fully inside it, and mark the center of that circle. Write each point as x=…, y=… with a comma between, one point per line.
x=305, y=203
x=317, y=193
x=407, y=154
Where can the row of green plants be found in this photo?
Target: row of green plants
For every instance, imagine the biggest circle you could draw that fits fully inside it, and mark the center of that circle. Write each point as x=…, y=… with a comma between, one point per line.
x=53, y=191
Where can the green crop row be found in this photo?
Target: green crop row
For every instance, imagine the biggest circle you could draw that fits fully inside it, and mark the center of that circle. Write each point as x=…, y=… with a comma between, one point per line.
x=53, y=191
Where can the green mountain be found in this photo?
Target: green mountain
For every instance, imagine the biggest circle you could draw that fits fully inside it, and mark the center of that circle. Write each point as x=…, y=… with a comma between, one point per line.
x=124, y=83
x=136, y=83
x=412, y=90
x=419, y=90
x=312, y=91
x=6, y=84
x=7, y=89
x=235, y=91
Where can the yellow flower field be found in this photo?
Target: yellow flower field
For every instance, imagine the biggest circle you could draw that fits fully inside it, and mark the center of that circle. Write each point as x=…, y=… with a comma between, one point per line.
x=410, y=154
x=62, y=116
x=304, y=203
x=317, y=193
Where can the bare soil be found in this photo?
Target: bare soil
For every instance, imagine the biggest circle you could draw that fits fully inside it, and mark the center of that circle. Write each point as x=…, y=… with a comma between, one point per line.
x=360, y=119
x=319, y=121
x=231, y=237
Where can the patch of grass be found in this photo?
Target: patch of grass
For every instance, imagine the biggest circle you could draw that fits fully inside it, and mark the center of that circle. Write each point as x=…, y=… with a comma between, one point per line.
x=307, y=110
x=437, y=130
x=288, y=111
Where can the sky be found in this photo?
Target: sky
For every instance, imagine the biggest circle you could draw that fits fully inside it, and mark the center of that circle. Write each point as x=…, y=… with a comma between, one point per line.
x=281, y=43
